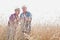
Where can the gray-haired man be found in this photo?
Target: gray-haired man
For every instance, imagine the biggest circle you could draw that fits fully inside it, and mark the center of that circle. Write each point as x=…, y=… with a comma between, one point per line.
x=26, y=18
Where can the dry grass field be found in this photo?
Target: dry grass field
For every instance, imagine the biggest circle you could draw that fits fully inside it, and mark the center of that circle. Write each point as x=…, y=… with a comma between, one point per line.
x=39, y=32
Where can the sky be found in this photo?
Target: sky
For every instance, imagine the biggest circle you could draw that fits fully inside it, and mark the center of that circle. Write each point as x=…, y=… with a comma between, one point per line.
x=43, y=11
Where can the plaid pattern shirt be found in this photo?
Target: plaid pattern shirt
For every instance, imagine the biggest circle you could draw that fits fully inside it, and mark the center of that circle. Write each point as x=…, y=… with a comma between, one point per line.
x=26, y=25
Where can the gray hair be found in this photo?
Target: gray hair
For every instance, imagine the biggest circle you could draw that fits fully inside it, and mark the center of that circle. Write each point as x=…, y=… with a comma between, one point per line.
x=24, y=7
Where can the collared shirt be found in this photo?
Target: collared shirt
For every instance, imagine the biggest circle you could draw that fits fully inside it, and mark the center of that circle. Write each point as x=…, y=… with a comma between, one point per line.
x=27, y=14
x=12, y=17
x=26, y=25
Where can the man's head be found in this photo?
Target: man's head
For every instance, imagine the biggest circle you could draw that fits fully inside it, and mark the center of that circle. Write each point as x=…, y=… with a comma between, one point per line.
x=24, y=8
x=17, y=11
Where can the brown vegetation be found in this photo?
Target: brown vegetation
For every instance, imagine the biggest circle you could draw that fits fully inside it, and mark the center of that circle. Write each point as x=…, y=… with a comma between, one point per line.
x=39, y=32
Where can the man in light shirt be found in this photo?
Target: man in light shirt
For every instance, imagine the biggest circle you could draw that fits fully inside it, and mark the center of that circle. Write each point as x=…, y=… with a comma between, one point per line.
x=26, y=18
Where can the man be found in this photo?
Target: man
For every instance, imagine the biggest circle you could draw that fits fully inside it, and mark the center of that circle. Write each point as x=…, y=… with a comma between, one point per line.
x=26, y=18
x=13, y=23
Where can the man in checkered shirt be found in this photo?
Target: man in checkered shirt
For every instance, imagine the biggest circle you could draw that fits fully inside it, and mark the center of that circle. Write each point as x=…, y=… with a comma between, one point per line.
x=27, y=18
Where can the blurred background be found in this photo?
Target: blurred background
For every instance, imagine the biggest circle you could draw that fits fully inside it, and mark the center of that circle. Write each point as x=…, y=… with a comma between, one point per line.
x=43, y=11
x=45, y=14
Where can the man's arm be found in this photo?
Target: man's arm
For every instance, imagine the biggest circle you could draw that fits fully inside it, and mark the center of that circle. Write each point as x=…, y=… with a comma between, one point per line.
x=29, y=18
x=11, y=19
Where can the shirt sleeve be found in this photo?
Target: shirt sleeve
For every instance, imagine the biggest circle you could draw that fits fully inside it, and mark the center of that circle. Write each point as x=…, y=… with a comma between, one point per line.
x=20, y=15
x=11, y=18
x=30, y=15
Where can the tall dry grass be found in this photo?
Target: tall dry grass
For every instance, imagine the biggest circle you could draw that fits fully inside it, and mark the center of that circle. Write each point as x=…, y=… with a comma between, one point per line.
x=38, y=32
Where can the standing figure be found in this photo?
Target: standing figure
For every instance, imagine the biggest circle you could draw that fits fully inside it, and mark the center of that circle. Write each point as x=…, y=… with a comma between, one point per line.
x=26, y=18
x=12, y=24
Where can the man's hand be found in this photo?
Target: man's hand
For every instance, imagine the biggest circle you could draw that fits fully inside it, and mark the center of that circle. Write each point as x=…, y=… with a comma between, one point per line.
x=28, y=19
